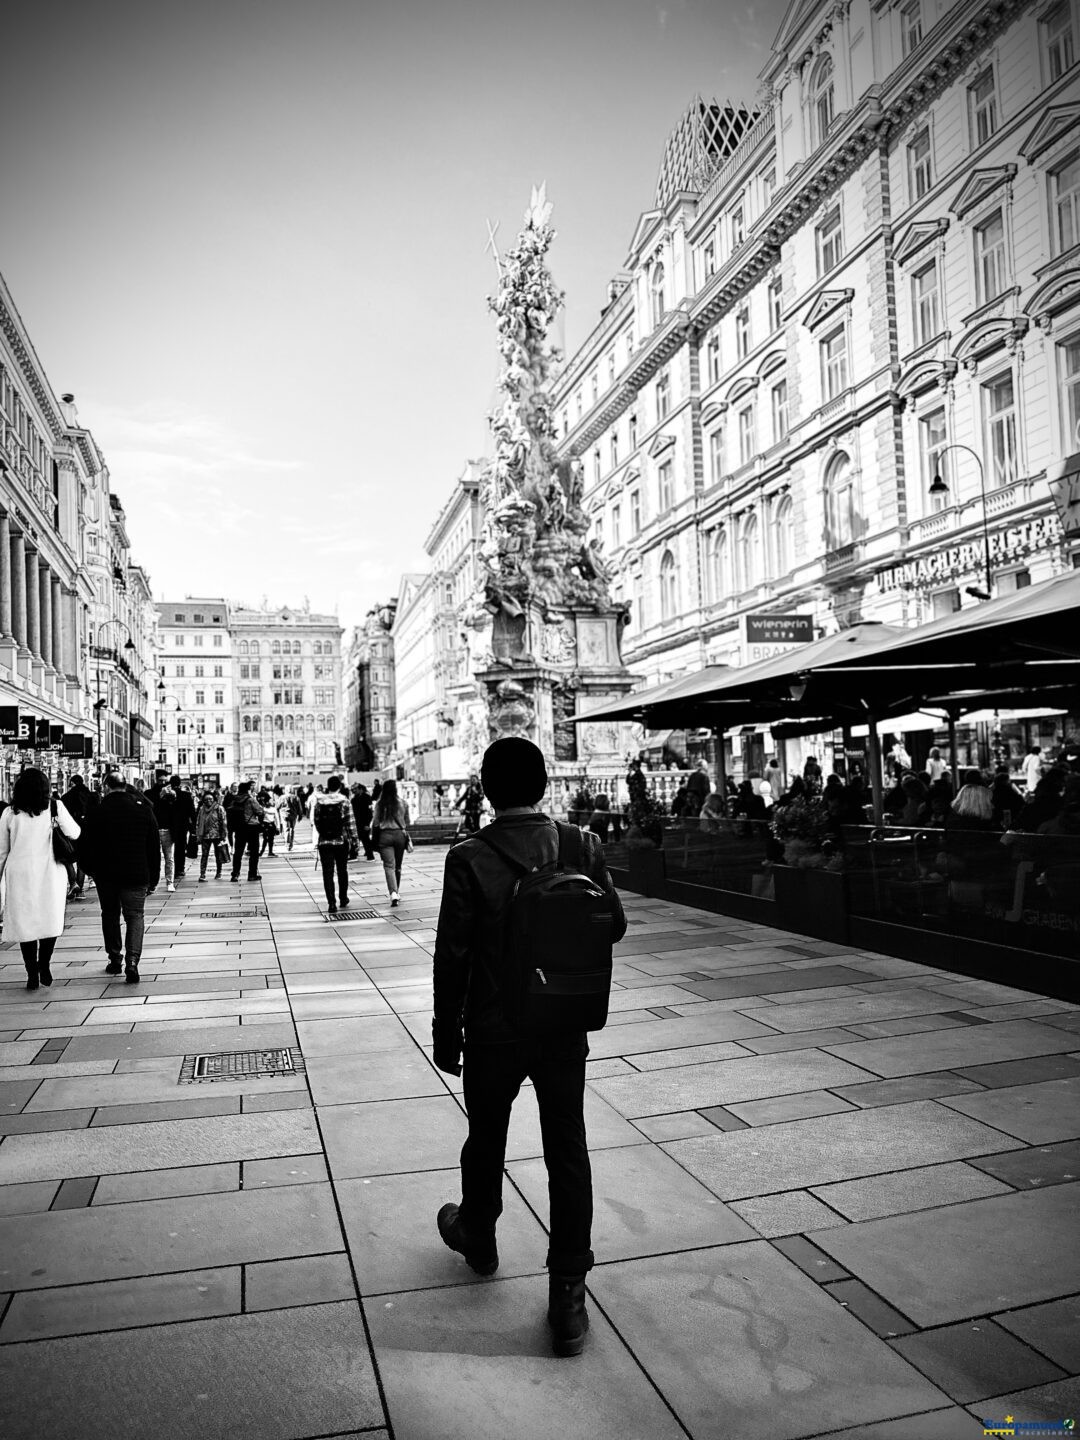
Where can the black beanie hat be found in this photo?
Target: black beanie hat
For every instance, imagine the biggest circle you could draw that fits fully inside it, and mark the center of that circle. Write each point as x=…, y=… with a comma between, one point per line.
x=513, y=773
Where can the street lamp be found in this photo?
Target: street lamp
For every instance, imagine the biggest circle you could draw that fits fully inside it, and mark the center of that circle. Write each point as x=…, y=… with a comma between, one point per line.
x=161, y=698
x=940, y=487
x=100, y=704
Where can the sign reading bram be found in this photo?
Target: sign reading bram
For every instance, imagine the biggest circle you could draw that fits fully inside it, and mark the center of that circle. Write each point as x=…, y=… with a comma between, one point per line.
x=766, y=636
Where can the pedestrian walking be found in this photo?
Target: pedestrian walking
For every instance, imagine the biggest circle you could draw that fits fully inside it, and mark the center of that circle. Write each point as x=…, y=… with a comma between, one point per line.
x=122, y=849
x=473, y=999
x=163, y=799
x=1032, y=768
x=77, y=800
x=336, y=841
x=211, y=828
x=232, y=814
x=36, y=890
x=363, y=810
x=183, y=826
x=471, y=802
x=294, y=811
x=271, y=826
x=698, y=787
x=391, y=835
x=248, y=828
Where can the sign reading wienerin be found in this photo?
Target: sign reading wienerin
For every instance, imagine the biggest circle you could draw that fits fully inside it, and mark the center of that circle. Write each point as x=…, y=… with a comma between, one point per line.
x=766, y=636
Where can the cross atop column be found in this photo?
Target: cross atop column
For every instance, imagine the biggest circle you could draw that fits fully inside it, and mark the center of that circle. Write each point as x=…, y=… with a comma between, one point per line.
x=492, y=232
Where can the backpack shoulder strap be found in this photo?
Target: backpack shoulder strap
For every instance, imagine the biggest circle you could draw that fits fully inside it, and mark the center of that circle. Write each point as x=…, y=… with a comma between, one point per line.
x=571, y=847
x=52, y=807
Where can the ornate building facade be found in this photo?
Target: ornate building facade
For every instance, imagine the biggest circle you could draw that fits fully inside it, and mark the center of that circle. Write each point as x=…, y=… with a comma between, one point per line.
x=369, y=691
x=197, y=719
x=76, y=626
x=288, y=685
x=839, y=375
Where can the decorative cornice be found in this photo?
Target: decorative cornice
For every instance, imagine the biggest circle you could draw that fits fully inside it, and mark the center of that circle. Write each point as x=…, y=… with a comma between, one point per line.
x=916, y=237
x=825, y=304
x=32, y=376
x=980, y=184
x=1056, y=122
x=659, y=445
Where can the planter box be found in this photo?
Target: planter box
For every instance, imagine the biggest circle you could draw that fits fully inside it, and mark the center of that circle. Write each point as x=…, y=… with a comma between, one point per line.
x=648, y=872
x=812, y=902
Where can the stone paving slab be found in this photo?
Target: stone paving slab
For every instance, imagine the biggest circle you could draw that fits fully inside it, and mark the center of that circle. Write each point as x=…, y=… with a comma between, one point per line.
x=971, y=1259
x=972, y=1361
x=918, y=1189
x=280, y=1375
x=792, y=1366
x=1039, y=1113
x=122, y=1304
x=803, y=1153
x=941, y=1050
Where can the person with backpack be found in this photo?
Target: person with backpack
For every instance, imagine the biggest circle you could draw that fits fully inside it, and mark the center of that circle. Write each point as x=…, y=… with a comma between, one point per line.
x=249, y=820
x=522, y=971
x=392, y=836
x=335, y=839
x=294, y=811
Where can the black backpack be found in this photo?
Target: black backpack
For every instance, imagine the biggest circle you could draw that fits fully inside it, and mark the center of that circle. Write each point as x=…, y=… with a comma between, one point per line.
x=330, y=821
x=556, y=971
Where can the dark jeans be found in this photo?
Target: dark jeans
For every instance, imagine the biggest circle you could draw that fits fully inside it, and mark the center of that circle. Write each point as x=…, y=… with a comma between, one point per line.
x=492, y=1076
x=205, y=849
x=331, y=858
x=248, y=835
x=131, y=900
x=180, y=840
x=391, y=849
x=364, y=832
x=268, y=835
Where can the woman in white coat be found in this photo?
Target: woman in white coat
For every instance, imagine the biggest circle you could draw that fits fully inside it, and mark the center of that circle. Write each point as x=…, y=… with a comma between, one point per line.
x=36, y=882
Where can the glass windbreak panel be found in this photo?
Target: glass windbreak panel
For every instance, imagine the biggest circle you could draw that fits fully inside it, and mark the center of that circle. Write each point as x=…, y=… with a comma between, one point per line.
x=720, y=853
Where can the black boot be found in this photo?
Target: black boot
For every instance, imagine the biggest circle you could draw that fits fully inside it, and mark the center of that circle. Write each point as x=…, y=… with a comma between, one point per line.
x=44, y=973
x=480, y=1253
x=32, y=981
x=567, y=1315
x=131, y=972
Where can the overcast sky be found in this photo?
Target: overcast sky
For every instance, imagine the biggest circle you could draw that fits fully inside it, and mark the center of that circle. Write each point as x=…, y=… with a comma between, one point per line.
x=249, y=236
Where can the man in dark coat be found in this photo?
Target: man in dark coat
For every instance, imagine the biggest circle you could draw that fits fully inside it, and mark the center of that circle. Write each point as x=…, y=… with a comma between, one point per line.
x=183, y=824
x=77, y=801
x=121, y=848
x=469, y=968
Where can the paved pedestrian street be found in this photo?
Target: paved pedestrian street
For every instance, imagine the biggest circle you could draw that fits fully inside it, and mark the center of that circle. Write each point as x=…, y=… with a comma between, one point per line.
x=835, y=1193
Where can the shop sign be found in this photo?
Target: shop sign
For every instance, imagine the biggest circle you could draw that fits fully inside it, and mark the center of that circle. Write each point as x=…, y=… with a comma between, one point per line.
x=56, y=737
x=73, y=745
x=766, y=636
x=1012, y=543
x=9, y=724
x=1064, y=482
x=41, y=733
x=27, y=732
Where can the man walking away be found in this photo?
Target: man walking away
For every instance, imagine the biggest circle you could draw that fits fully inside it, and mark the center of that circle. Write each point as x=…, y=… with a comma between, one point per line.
x=473, y=988
x=183, y=824
x=77, y=801
x=362, y=811
x=249, y=819
x=294, y=810
x=121, y=848
x=163, y=799
x=336, y=839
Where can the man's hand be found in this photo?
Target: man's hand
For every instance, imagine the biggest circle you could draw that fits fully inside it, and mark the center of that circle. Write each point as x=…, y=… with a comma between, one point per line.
x=448, y=1044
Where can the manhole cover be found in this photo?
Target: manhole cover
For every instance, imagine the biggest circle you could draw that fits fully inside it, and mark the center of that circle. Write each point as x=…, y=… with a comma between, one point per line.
x=230, y=914
x=240, y=1065
x=353, y=915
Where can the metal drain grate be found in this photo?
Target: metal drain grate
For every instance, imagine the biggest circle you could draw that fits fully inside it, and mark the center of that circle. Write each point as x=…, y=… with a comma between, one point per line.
x=241, y=1065
x=353, y=915
x=230, y=914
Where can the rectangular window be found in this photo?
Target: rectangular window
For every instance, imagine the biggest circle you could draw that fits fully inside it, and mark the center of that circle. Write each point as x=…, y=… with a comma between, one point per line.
x=579, y=403
x=911, y=26
x=218, y=672
x=776, y=309
x=595, y=386
x=596, y=464
x=219, y=724
x=932, y=459
x=219, y=755
x=982, y=107
x=611, y=368
x=1058, y=41
x=779, y=412
x=182, y=756
x=830, y=241
x=834, y=363
x=181, y=724
x=665, y=486
x=179, y=640
x=1070, y=393
x=663, y=394
x=768, y=188
x=616, y=526
x=614, y=448
x=198, y=619
x=219, y=641
x=180, y=672
x=200, y=697
x=1065, y=203
x=635, y=511
x=632, y=425
x=746, y=435
x=738, y=227
x=924, y=303
x=713, y=358
x=199, y=669
x=1000, y=411
x=920, y=168
x=709, y=259
x=716, y=456
x=990, y=277
x=219, y=697
x=198, y=640
x=742, y=331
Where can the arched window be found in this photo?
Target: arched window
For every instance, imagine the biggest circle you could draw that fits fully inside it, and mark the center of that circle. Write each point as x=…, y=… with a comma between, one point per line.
x=721, y=574
x=784, y=526
x=243, y=647
x=247, y=750
x=840, y=513
x=254, y=647
x=656, y=293
x=822, y=99
x=669, y=587
x=318, y=647
x=247, y=724
x=254, y=723
x=750, y=569
x=276, y=647
x=279, y=722
x=288, y=722
x=309, y=721
x=279, y=750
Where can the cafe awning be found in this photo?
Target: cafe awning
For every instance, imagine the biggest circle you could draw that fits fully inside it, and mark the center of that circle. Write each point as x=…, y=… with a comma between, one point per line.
x=633, y=706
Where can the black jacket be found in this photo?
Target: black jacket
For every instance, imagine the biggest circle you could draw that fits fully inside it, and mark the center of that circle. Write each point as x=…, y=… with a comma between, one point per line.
x=120, y=842
x=184, y=812
x=477, y=888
